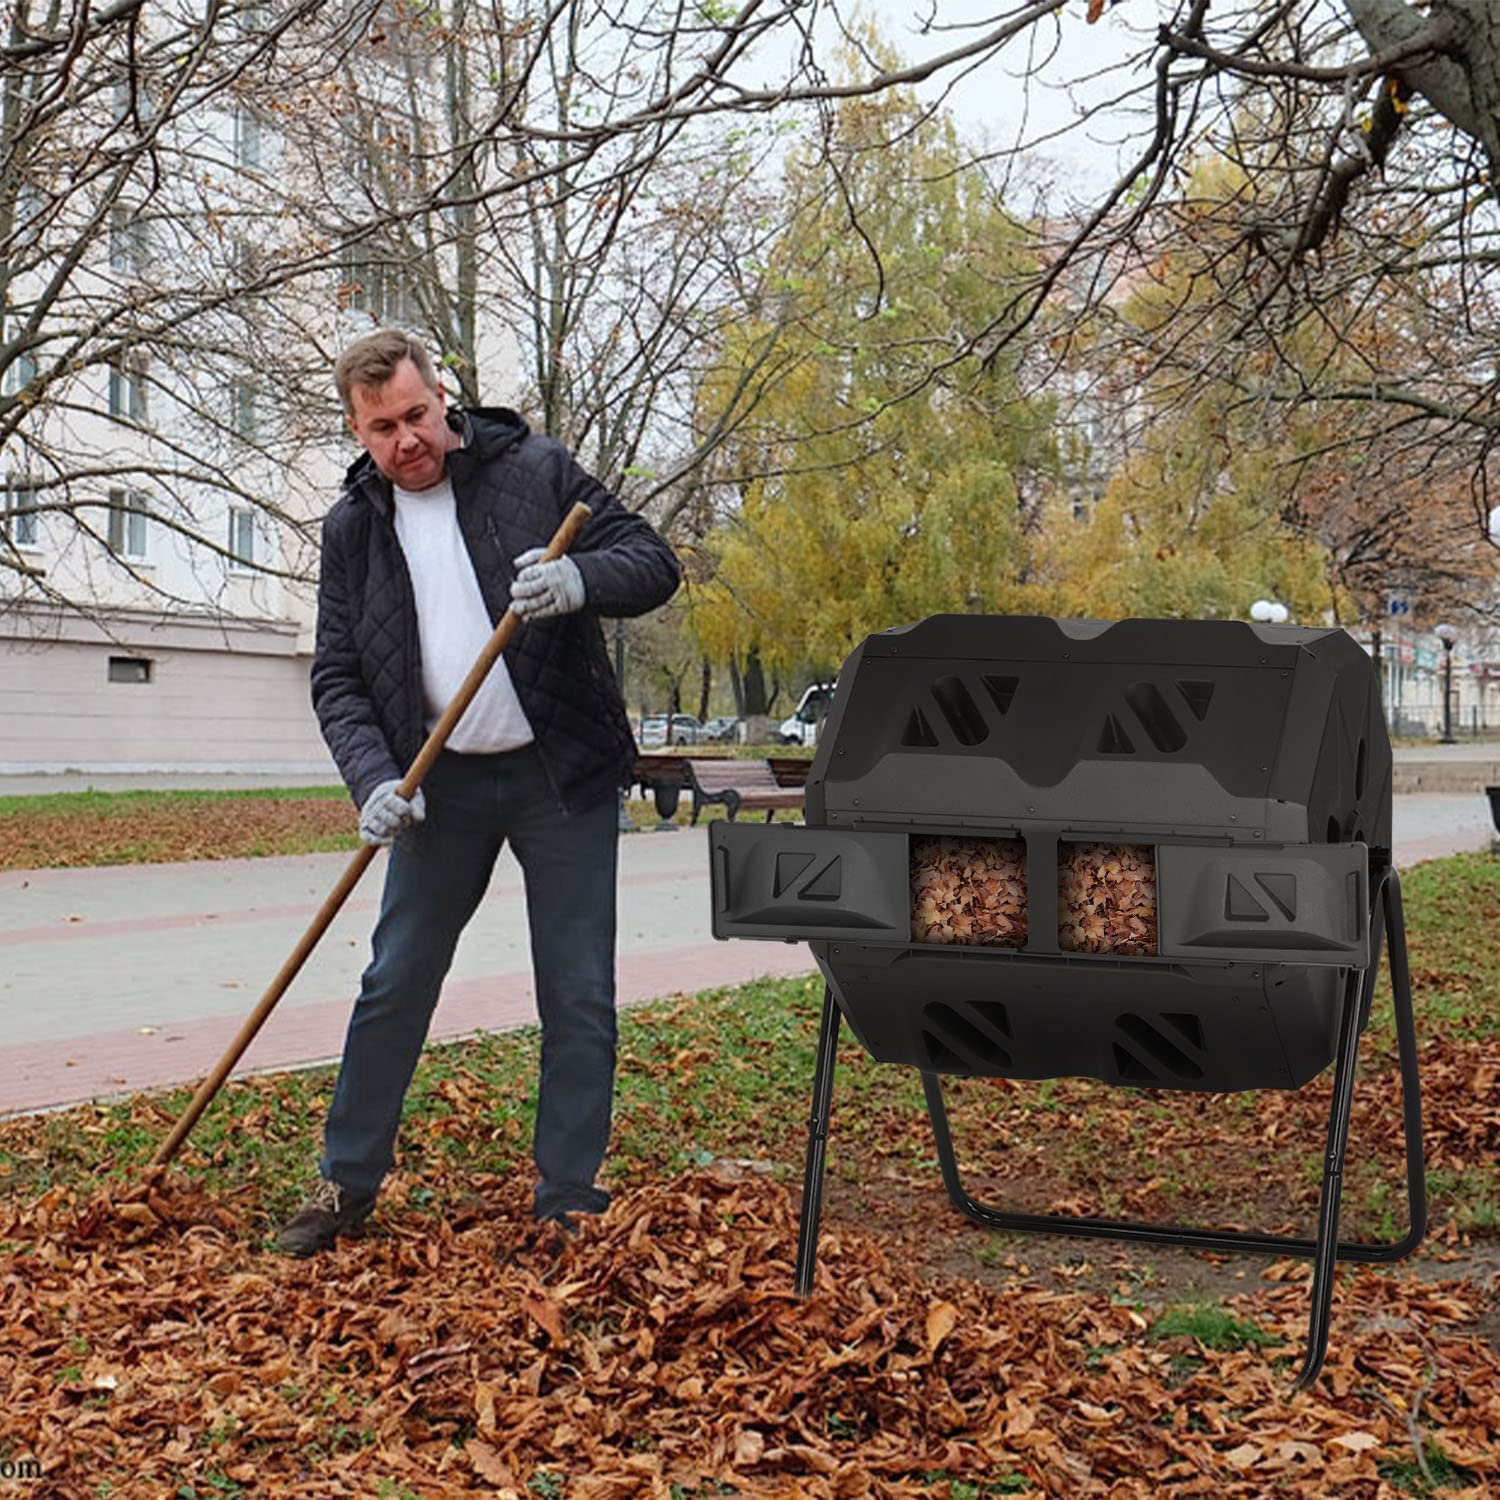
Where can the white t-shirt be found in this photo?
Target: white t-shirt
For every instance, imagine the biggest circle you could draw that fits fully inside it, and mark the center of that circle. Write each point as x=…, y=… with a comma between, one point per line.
x=453, y=625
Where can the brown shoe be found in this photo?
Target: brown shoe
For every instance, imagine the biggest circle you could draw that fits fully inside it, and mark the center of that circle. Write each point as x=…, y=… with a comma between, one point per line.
x=330, y=1210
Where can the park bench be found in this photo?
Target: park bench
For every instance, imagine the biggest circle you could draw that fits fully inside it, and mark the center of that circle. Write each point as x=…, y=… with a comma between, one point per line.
x=790, y=770
x=738, y=784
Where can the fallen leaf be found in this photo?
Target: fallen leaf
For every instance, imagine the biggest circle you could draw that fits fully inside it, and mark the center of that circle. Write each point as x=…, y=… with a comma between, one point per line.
x=488, y=1463
x=942, y=1319
x=548, y=1316
x=749, y=1445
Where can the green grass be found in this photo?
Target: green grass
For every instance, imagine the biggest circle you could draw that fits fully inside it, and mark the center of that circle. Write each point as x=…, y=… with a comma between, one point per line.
x=1406, y=1474
x=132, y=804
x=1210, y=1325
x=1452, y=913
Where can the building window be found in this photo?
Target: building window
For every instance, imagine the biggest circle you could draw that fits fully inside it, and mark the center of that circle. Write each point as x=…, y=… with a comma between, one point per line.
x=130, y=669
x=127, y=390
x=127, y=241
x=31, y=205
x=127, y=523
x=247, y=137
x=244, y=407
x=133, y=98
x=253, y=19
x=384, y=289
x=18, y=518
x=20, y=373
x=241, y=538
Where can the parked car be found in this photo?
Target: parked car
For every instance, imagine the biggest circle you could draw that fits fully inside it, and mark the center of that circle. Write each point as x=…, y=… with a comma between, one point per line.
x=802, y=727
x=721, y=729
x=683, y=729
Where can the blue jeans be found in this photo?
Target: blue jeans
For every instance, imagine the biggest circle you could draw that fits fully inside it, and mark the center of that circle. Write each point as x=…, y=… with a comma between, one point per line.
x=437, y=874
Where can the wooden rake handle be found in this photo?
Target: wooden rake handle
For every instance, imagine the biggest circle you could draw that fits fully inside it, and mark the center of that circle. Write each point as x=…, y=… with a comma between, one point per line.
x=562, y=540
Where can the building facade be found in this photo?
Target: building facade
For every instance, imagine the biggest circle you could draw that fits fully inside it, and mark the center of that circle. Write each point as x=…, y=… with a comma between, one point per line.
x=169, y=441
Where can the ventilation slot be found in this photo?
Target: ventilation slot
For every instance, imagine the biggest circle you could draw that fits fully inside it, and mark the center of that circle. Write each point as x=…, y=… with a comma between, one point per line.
x=1282, y=889
x=1151, y=709
x=1131, y=1068
x=1240, y=905
x=1198, y=695
x=1113, y=740
x=960, y=710
x=1190, y=1027
x=1001, y=690
x=918, y=730
x=1162, y=1050
x=976, y=1041
x=1359, y=770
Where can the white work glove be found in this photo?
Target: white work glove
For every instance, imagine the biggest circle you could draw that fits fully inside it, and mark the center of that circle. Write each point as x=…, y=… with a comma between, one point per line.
x=544, y=589
x=385, y=813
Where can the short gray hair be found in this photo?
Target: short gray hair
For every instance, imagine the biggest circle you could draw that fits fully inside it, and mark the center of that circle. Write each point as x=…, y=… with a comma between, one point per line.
x=373, y=360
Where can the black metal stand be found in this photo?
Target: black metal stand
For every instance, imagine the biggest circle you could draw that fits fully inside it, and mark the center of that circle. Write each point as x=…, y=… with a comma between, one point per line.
x=817, y=1144
x=1325, y=1250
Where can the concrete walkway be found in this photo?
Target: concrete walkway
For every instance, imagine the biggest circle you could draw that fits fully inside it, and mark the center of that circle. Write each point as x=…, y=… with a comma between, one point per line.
x=130, y=977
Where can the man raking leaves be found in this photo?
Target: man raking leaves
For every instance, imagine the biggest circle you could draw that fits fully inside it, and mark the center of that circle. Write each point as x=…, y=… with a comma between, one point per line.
x=434, y=539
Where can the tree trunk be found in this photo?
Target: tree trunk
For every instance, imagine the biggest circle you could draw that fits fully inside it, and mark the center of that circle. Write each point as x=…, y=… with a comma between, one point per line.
x=753, y=699
x=705, y=687
x=1465, y=90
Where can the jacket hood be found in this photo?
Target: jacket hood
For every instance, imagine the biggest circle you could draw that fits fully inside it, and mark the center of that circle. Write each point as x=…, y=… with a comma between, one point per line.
x=486, y=431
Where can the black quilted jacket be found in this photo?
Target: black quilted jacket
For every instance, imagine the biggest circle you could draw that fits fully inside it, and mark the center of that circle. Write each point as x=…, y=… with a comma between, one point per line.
x=512, y=490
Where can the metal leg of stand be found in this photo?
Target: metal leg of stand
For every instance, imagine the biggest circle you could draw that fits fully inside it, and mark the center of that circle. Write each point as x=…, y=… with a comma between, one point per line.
x=1231, y=1241
x=817, y=1144
x=1325, y=1257
x=1411, y=1086
x=1387, y=921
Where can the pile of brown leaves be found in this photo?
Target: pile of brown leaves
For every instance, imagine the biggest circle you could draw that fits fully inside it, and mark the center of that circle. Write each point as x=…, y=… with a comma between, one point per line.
x=968, y=891
x=974, y=891
x=1106, y=897
x=149, y=1344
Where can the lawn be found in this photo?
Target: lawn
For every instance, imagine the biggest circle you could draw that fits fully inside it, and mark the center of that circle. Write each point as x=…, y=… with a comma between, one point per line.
x=72, y=829
x=154, y=1345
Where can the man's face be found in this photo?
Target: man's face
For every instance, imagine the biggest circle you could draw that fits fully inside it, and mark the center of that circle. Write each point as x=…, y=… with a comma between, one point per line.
x=401, y=425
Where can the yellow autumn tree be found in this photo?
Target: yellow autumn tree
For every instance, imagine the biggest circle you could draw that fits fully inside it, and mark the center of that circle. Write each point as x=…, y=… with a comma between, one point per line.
x=876, y=476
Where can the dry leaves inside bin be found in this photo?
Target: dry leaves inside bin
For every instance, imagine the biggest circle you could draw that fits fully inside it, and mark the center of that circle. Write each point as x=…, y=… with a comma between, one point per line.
x=968, y=891
x=1106, y=898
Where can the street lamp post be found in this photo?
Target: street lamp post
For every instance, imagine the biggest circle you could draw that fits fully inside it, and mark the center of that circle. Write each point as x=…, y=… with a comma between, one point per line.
x=1447, y=635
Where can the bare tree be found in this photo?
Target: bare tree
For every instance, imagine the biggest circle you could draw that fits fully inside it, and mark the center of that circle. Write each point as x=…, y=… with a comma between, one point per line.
x=1355, y=145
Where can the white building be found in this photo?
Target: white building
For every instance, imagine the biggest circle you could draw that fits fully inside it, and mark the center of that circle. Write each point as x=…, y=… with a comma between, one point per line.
x=159, y=511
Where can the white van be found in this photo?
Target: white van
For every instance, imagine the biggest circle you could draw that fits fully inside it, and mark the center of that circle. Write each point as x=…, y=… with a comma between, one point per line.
x=802, y=727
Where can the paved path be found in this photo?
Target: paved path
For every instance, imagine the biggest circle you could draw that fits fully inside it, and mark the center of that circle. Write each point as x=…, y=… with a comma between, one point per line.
x=130, y=977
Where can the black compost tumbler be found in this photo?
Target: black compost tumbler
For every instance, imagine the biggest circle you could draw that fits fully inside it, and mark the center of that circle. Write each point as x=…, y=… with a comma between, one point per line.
x=1250, y=761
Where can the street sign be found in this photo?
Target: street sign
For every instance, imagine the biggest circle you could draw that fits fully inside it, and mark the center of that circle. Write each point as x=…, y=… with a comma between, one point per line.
x=1398, y=605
